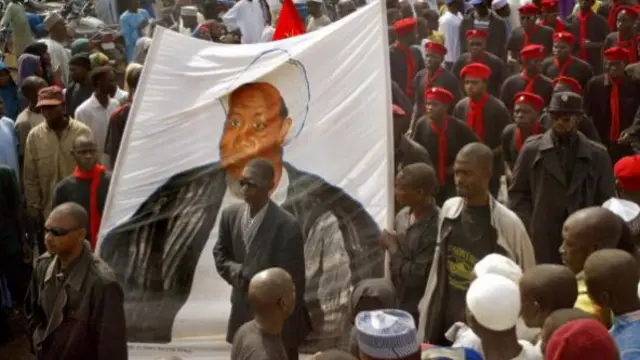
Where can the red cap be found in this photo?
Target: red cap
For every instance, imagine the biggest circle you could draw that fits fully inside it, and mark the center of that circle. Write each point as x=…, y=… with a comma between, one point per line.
x=440, y=94
x=636, y=8
x=617, y=53
x=435, y=47
x=398, y=111
x=584, y=339
x=564, y=36
x=530, y=52
x=547, y=5
x=477, y=70
x=630, y=10
x=569, y=81
x=525, y=97
x=529, y=9
x=627, y=172
x=476, y=34
x=405, y=26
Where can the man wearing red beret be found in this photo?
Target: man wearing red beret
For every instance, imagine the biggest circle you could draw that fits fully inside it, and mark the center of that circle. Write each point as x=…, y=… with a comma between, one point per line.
x=484, y=113
x=590, y=30
x=434, y=75
x=549, y=16
x=405, y=60
x=626, y=35
x=529, y=33
x=526, y=116
x=563, y=63
x=476, y=41
x=443, y=136
x=530, y=79
x=627, y=173
x=611, y=99
x=481, y=17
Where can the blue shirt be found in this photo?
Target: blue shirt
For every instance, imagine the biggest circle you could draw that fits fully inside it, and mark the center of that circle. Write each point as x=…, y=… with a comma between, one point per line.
x=129, y=26
x=8, y=145
x=626, y=333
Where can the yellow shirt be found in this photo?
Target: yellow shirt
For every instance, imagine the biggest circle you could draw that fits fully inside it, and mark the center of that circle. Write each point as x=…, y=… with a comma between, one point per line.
x=584, y=303
x=47, y=160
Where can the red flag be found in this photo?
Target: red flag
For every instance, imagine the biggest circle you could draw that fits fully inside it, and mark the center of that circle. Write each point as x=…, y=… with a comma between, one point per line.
x=289, y=23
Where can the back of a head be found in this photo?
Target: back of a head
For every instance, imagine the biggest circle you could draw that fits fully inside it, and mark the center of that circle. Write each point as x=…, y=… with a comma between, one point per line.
x=584, y=339
x=99, y=74
x=552, y=286
x=73, y=211
x=267, y=287
x=613, y=271
x=596, y=225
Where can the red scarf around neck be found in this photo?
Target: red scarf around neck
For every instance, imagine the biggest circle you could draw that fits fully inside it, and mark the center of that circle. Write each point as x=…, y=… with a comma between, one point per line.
x=429, y=80
x=562, y=68
x=411, y=67
x=527, y=34
x=583, y=18
x=94, y=211
x=442, y=148
x=520, y=140
x=531, y=81
x=630, y=45
x=614, y=103
x=475, y=118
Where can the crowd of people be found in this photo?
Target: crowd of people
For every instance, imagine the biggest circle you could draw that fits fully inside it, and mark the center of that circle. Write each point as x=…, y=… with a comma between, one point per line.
x=485, y=97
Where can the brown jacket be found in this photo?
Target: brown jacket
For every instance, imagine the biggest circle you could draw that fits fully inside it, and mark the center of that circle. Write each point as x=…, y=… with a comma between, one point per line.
x=78, y=315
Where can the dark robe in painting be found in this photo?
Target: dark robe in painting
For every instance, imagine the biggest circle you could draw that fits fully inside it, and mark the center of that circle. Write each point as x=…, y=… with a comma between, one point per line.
x=496, y=118
x=458, y=135
x=585, y=126
x=494, y=63
x=598, y=106
x=597, y=31
x=514, y=84
x=497, y=34
x=444, y=78
x=576, y=69
x=541, y=35
x=580, y=174
x=152, y=298
x=278, y=242
x=398, y=65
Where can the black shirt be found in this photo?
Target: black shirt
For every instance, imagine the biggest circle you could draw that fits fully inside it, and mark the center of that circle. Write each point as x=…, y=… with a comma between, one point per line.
x=251, y=343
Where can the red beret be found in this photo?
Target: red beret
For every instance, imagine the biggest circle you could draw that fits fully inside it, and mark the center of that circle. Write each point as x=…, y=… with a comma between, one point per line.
x=525, y=97
x=547, y=5
x=628, y=10
x=405, y=26
x=476, y=34
x=584, y=339
x=529, y=9
x=398, y=111
x=532, y=52
x=617, y=53
x=477, y=70
x=627, y=172
x=440, y=94
x=435, y=47
x=569, y=81
x=564, y=36
x=636, y=8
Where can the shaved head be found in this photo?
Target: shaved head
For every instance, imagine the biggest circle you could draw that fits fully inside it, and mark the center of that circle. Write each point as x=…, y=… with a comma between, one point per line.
x=263, y=169
x=546, y=288
x=612, y=278
x=82, y=141
x=268, y=287
x=477, y=153
x=595, y=225
x=73, y=211
x=419, y=176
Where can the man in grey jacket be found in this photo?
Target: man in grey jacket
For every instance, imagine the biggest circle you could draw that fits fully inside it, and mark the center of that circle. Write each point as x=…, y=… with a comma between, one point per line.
x=471, y=226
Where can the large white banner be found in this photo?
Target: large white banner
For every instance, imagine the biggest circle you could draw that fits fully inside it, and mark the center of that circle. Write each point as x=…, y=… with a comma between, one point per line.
x=317, y=107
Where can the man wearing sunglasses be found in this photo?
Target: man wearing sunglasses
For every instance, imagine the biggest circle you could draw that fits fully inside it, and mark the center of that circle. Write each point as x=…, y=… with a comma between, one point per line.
x=74, y=304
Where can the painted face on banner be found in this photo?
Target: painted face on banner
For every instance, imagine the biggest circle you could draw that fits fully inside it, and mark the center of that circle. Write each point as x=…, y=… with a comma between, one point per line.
x=256, y=125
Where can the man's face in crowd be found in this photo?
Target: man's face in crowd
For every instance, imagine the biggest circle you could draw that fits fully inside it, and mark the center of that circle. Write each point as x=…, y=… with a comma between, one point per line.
x=614, y=68
x=53, y=113
x=86, y=154
x=471, y=179
x=504, y=11
x=549, y=15
x=528, y=20
x=61, y=234
x=586, y=4
x=254, y=185
x=525, y=116
x=475, y=46
x=564, y=124
x=108, y=85
x=432, y=60
x=561, y=49
x=435, y=109
x=474, y=86
x=624, y=22
x=254, y=126
x=573, y=250
x=406, y=193
x=533, y=65
x=481, y=9
x=78, y=73
x=189, y=21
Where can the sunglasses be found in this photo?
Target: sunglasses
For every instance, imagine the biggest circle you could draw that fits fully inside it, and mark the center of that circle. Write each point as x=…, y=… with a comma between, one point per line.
x=248, y=182
x=57, y=232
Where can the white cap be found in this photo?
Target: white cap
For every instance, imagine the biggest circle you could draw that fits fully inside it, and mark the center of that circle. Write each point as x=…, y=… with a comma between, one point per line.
x=626, y=209
x=387, y=334
x=499, y=4
x=189, y=11
x=497, y=264
x=494, y=301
